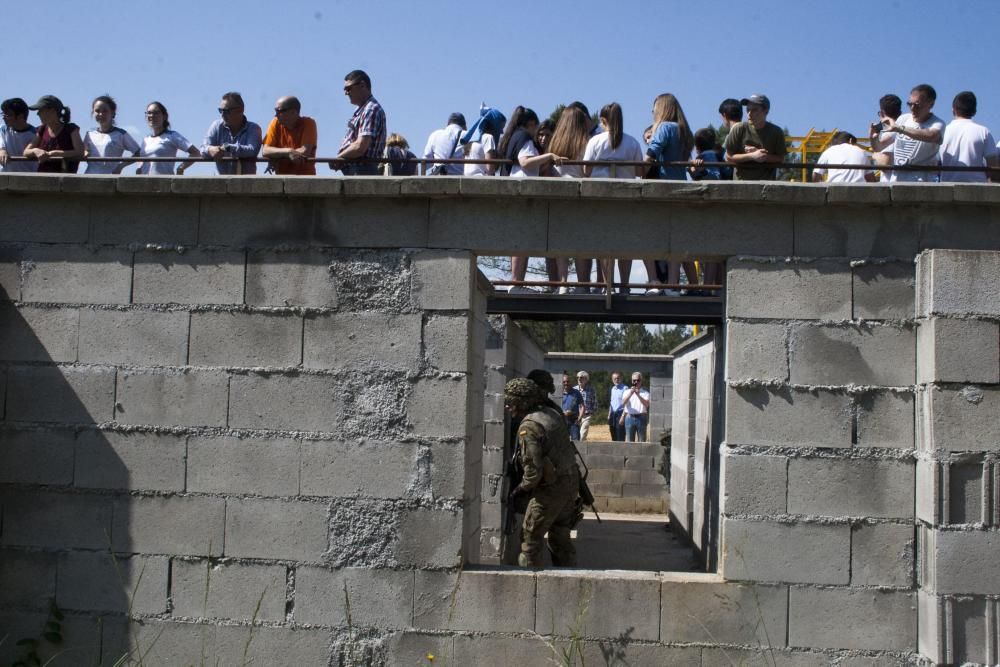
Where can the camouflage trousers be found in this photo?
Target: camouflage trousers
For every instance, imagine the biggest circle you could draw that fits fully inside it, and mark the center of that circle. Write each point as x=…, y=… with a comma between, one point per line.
x=552, y=509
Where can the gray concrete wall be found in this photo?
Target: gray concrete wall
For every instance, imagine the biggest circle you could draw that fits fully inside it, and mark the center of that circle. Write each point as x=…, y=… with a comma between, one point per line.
x=199, y=373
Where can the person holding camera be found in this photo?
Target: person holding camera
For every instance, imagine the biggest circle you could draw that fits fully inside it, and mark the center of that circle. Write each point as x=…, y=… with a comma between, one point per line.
x=635, y=417
x=918, y=136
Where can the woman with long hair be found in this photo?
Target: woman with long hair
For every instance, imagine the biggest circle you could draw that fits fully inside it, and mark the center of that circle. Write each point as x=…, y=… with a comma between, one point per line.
x=163, y=142
x=107, y=140
x=518, y=145
x=671, y=141
x=613, y=145
x=569, y=141
x=57, y=144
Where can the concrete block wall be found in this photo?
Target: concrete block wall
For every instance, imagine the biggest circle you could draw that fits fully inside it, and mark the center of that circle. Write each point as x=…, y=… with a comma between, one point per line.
x=509, y=352
x=958, y=417
x=623, y=476
x=660, y=405
x=819, y=461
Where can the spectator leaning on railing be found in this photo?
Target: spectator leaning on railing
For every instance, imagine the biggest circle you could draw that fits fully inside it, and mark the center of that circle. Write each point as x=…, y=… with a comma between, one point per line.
x=57, y=144
x=233, y=135
x=291, y=139
x=967, y=143
x=443, y=144
x=365, y=138
x=163, y=142
x=15, y=135
x=755, y=144
x=106, y=140
x=918, y=136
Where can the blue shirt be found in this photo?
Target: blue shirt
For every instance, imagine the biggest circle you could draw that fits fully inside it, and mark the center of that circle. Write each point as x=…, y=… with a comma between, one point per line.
x=617, y=390
x=572, y=399
x=665, y=146
x=708, y=173
x=245, y=143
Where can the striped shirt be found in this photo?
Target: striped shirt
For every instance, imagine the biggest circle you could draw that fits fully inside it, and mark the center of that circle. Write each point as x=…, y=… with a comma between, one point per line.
x=368, y=121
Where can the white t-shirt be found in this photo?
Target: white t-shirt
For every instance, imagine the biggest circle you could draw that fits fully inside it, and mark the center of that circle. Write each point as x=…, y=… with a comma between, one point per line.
x=966, y=144
x=107, y=144
x=599, y=148
x=843, y=154
x=906, y=150
x=162, y=145
x=633, y=406
x=14, y=142
x=570, y=170
x=528, y=150
x=478, y=151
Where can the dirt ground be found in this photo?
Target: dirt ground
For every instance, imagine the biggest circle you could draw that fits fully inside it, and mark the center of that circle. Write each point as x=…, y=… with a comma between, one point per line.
x=599, y=432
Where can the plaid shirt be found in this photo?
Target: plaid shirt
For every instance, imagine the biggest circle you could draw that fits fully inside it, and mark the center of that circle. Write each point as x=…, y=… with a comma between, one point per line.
x=368, y=121
x=589, y=398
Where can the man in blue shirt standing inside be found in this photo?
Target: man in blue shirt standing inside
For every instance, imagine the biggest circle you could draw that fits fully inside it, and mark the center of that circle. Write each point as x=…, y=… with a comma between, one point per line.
x=615, y=407
x=572, y=406
x=233, y=135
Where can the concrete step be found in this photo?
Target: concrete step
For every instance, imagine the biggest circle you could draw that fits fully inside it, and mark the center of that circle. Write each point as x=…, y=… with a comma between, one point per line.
x=624, y=476
x=590, y=448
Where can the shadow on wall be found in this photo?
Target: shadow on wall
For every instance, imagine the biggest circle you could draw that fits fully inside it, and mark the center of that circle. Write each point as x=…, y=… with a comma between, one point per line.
x=66, y=575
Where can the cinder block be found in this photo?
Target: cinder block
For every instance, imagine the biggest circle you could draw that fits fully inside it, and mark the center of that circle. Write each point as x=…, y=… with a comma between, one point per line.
x=245, y=339
x=142, y=220
x=885, y=419
x=756, y=351
x=172, y=525
x=301, y=278
x=958, y=283
x=57, y=521
x=265, y=221
x=71, y=274
x=797, y=553
x=567, y=229
x=371, y=598
x=446, y=343
x=723, y=613
x=443, y=280
x=852, y=619
x=99, y=581
x=750, y=229
x=405, y=649
x=754, y=484
x=423, y=407
x=957, y=420
x=30, y=218
x=475, y=601
x=857, y=488
x=81, y=635
x=884, y=291
x=358, y=468
x=840, y=231
x=279, y=529
x=622, y=505
x=429, y=539
x=36, y=457
x=599, y=605
x=787, y=417
x=10, y=274
x=966, y=493
x=290, y=402
x=27, y=578
x=376, y=223
x=318, y=187
x=883, y=555
x=65, y=394
x=606, y=461
x=237, y=591
x=854, y=354
x=963, y=562
x=132, y=461
x=38, y=334
x=137, y=337
x=644, y=490
x=818, y=290
x=633, y=462
x=519, y=225
x=195, y=276
x=168, y=398
x=230, y=465
x=496, y=651
x=353, y=340
x=958, y=350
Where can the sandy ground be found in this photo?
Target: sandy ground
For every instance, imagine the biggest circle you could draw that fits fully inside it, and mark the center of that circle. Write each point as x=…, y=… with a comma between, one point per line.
x=600, y=433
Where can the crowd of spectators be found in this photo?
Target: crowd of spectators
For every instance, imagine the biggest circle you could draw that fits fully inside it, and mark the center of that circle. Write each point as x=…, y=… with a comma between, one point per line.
x=751, y=149
x=628, y=405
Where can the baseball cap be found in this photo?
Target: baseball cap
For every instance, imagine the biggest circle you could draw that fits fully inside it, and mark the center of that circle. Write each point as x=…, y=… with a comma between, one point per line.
x=757, y=98
x=47, y=102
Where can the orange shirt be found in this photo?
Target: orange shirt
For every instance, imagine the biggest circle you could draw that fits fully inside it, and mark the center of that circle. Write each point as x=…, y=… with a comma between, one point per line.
x=280, y=137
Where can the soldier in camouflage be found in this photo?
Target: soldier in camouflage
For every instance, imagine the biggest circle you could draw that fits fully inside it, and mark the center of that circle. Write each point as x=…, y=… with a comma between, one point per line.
x=551, y=476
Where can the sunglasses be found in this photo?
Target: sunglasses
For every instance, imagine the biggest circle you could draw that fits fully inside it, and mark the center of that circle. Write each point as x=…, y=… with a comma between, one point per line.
x=348, y=87
x=279, y=110
x=225, y=111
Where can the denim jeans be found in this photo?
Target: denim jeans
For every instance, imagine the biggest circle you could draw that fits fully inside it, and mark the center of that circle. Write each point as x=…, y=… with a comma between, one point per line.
x=617, y=430
x=635, y=427
x=574, y=432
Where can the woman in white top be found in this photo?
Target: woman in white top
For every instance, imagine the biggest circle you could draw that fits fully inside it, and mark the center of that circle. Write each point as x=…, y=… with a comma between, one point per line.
x=613, y=145
x=106, y=140
x=163, y=142
x=569, y=141
x=518, y=145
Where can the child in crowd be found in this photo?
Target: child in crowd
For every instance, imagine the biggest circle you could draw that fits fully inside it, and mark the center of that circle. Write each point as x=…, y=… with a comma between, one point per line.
x=400, y=157
x=15, y=135
x=704, y=147
x=57, y=145
x=107, y=140
x=163, y=142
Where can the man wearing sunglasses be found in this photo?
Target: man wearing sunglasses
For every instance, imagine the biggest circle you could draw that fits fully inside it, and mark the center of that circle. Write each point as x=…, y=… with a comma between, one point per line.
x=232, y=135
x=290, y=142
x=918, y=136
x=365, y=138
x=636, y=414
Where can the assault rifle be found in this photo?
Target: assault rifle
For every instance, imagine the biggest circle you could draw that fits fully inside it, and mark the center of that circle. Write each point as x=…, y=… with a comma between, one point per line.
x=586, y=495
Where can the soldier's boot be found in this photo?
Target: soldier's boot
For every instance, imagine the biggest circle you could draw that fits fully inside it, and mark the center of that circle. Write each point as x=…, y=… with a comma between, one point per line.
x=561, y=546
x=529, y=561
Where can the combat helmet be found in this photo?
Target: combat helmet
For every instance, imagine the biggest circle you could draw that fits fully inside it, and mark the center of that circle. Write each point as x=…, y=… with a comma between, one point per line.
x=522, y=394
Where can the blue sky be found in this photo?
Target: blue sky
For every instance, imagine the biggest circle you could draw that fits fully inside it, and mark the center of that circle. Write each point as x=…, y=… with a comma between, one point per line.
x=822, y=64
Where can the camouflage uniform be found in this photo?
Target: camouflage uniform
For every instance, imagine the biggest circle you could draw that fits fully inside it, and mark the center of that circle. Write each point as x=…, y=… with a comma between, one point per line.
x=552, y=476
